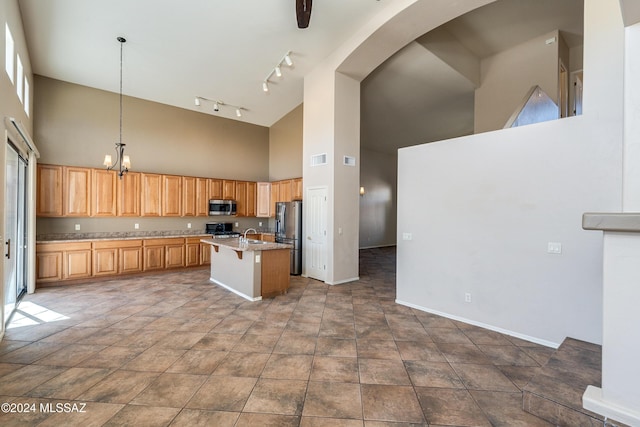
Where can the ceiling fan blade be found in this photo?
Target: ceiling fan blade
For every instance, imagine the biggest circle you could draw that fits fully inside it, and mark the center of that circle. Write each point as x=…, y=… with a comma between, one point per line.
x=303, y=13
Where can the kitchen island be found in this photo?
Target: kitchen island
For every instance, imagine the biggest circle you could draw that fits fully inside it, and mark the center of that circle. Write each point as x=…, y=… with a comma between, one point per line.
x=253, y=270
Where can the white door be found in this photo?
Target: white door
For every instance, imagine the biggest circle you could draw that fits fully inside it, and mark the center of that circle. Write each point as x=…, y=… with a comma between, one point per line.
x=315, y=243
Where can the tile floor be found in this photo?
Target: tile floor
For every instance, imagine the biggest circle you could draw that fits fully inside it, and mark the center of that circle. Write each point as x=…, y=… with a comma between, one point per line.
x=174, y=349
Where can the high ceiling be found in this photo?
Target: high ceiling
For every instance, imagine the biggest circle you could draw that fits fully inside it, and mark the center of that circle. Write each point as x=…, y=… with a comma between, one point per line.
x=223, y=50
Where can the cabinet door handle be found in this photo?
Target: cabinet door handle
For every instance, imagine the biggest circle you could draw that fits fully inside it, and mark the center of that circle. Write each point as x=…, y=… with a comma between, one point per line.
x=8, y=255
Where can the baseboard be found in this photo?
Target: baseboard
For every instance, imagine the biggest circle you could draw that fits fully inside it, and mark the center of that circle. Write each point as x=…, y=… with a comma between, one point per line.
x=229, y=288
x=340, y=282
x=593, y=401
x=482, y=325
x=390, y=245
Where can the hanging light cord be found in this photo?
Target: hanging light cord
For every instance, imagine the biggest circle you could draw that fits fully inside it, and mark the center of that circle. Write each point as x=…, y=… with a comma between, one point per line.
x=122, y=40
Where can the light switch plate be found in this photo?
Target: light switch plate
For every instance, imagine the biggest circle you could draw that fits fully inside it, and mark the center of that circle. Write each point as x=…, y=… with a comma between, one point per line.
x=554, y=248
x=407, y=236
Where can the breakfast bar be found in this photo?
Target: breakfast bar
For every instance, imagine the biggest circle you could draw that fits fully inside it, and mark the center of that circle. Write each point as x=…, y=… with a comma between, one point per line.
x=254, y=269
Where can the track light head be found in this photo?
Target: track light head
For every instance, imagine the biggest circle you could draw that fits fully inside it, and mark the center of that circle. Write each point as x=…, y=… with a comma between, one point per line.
x=197, y=101
x=288, y=61
x=265, y=86
x=278, y=71
x=216, y=107
x=238, y=112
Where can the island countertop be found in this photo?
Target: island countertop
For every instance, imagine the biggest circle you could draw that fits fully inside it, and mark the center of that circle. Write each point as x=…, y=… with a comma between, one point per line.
x=234, y=244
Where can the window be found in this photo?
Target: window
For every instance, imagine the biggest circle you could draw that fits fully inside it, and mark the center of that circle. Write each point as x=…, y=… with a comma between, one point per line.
x=9, y=52
x=19, y=78
x=27, y=103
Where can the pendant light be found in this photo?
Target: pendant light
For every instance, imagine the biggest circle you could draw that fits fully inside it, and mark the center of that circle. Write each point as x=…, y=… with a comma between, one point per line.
x=123, y=162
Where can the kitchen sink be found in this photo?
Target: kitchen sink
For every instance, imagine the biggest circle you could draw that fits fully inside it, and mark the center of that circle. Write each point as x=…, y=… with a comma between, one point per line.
x=256, y=242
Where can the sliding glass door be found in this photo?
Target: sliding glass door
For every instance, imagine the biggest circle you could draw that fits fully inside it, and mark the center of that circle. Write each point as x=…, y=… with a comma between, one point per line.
x=15, y=245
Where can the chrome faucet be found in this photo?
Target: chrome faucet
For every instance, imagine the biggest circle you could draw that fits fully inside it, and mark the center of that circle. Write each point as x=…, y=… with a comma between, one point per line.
x=244, y=237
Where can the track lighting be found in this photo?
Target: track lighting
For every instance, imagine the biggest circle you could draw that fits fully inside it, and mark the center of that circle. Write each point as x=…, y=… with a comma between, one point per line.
x=218, y=104
x=277, y=70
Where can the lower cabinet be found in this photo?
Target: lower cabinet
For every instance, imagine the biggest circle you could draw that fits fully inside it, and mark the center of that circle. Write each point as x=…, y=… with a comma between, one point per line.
x=174, y=253
x=61, y=261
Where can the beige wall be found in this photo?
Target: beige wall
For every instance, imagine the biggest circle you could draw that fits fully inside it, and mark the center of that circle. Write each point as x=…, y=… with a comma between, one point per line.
x=507, y=77
x=285, y=146
x=10, y=106
x=78, y=125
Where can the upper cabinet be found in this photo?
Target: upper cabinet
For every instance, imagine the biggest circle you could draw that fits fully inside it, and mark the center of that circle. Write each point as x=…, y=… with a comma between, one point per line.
x=104, y=182
x=76, y=191
x=128, y=195
x=296, y=189
x=203, y=188
x=263, y=199
x=151, y=195
x=171, y=195
x=49, y=190
x=228, y=189
x=189, y=196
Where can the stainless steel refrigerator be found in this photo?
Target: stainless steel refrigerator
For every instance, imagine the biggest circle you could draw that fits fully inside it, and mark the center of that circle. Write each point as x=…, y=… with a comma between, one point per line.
x=289, y=231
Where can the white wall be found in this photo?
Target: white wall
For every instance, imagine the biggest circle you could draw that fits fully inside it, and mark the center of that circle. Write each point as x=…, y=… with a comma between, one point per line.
x=482, y=209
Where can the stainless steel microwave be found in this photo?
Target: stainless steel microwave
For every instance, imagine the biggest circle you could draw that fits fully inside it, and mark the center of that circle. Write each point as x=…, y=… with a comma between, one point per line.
x=222, y=207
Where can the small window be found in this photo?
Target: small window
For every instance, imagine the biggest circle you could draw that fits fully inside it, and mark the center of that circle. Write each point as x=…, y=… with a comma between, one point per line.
x=27, y=102
x=19, y=79
x=9, y=52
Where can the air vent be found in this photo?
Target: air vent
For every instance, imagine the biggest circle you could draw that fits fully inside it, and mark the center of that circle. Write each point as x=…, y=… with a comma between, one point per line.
x=319, y=159
x=349, y=161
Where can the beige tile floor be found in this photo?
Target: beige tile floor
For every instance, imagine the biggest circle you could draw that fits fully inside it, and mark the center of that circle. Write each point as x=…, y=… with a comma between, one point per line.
x=174, y=349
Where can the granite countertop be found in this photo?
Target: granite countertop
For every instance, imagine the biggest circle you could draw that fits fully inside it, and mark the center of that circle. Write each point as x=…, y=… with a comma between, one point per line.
x=118, y=235
x=234, y=244
x=621, y=221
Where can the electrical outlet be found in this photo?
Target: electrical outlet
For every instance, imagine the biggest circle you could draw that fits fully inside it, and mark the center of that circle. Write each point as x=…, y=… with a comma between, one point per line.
x=236, y=224
x=188, y=225
x=467, y=297
x=407, y=236
x=77, y=227
x=260, y=224
x=136, y=226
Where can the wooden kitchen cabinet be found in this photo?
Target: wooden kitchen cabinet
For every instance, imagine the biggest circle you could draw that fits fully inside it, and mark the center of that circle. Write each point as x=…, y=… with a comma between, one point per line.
x=263, y=199
x=274, y=198
x=215, y=190
x=128, y=195
x=48, y=263
x=76, y=191
x=189, y=196
x=205, y=254
x=171, y=195
x=49, y=190
x=112, y=257
x=228, y=189
x=77, y=260
x=153, y=254
x=151, y=195
x=285, y=190
x=63, y=261
x=241, y=198
x=202, y=196
x=130, y=257
x=296, y=189
x=105, y=258
x=174, y=253
x=251, y=198
x=192, y=251
x=104, y=189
